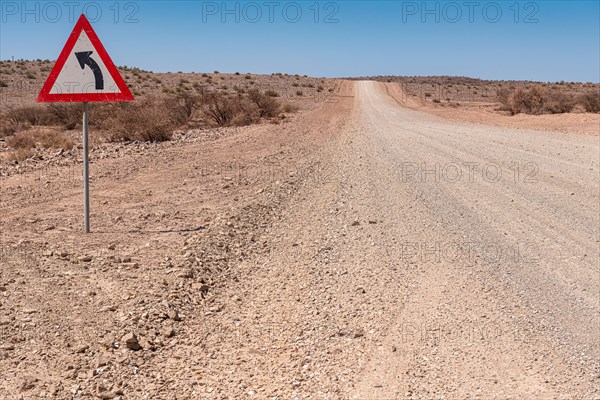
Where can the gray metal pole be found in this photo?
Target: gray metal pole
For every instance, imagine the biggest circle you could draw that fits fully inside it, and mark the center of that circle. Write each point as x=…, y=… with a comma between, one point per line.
x=86, y=176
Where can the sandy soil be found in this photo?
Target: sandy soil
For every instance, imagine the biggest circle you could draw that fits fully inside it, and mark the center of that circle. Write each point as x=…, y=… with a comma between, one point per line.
x=362, y=250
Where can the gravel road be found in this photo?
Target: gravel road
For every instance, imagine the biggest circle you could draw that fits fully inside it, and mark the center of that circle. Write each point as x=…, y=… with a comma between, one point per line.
x=437, y=259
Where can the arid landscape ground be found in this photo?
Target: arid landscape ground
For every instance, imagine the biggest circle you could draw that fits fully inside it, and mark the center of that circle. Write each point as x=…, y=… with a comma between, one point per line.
x=359, y=242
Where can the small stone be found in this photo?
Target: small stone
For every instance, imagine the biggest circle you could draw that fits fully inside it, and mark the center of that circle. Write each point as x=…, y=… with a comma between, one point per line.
x=147, y=344
x=81, y=349
x=356, y=335
x=131, y=341
x=101, y=361
x=168, y=332
x=107, y=395
x=85, y=258
x=28, y=383
x=204, y=288
x=186, y=273
x=174, y=315
x=355, y=223
x=131, y=265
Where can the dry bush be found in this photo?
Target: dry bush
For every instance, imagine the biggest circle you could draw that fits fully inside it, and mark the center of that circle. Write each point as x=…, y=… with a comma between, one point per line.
x=290, y=108
x=22, y=140
x=230, y=111
x=247, y=113
x=268, y=107
x=68, y=115
x=535, y=100
x=29, y=115
x=182, y=107
x=590, y=101
x=42, y=139
x=20, y=155
x=8, y=128
x=54, y=139
x=152, y=119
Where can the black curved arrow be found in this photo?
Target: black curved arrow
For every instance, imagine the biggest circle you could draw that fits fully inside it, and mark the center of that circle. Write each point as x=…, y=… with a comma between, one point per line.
x=84, y=59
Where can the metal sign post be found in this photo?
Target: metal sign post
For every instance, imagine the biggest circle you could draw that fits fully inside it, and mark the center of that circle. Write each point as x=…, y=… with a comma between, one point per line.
x=84, y=73
x=86, y=172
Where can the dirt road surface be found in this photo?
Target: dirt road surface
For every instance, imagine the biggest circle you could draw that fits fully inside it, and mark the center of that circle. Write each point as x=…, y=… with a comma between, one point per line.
x=361, y=251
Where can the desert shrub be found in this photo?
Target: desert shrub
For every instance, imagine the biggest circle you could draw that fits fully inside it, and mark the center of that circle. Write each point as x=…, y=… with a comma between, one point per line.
x=30, y=75
x=22, y=140
x=152, y=119
x=558, y=102
x=54, y=139
x=182, y=107
x=69, y=115
x=534, y=100
x=28, y=115
x=590, y=101
x=42, y=139
x=272, y=93
x=20, y=155
x=268, y=107
x=227, y=111
x=290, y=108
x=3, y=84
x=299, y=93
x=9, y=128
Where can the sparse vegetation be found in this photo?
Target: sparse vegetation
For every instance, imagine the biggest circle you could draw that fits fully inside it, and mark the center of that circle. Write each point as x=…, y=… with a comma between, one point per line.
x=42, y=139
x=535, y=100
x=268, y=107
x=151, y=119
x=590, y=101
x=164, y=102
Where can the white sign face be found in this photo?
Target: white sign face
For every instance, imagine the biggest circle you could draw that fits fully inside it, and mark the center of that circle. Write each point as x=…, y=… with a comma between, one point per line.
x=84, y=71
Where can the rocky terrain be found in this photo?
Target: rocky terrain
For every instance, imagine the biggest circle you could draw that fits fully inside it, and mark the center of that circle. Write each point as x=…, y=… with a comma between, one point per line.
x=302, y=260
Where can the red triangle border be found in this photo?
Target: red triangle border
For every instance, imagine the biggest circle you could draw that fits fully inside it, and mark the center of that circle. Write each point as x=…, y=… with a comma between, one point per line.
x=46, y=97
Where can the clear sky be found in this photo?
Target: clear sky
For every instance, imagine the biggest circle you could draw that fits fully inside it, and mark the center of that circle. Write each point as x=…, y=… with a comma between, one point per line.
x=539, y=40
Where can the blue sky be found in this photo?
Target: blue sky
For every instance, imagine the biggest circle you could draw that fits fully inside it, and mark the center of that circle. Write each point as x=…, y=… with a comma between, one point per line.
x=543, y=40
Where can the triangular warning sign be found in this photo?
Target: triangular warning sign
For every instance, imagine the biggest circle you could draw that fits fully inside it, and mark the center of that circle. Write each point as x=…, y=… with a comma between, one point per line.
x=84, y=72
